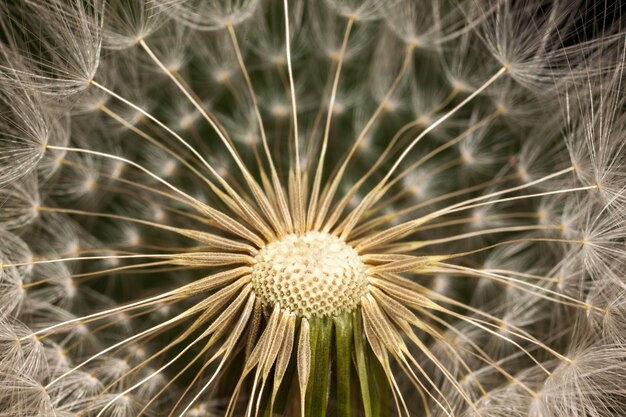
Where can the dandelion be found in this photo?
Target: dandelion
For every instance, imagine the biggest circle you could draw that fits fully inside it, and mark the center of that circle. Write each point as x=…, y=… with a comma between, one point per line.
x=302, y=208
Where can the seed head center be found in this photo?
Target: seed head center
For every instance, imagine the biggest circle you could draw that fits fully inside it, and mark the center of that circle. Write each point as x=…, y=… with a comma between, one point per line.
x=310, y=274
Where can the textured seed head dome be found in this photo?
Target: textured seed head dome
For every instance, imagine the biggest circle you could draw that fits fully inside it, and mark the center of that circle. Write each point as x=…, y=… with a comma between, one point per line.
x=310, y=274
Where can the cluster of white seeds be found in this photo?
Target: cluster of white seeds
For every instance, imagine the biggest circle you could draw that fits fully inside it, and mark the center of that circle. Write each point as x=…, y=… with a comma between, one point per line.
x=310, y=274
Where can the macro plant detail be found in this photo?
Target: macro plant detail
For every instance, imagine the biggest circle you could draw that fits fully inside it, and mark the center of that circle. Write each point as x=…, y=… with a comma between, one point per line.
x=312, y=208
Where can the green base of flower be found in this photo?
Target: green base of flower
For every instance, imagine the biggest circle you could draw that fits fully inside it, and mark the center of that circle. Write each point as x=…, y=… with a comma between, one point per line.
x=345, y=380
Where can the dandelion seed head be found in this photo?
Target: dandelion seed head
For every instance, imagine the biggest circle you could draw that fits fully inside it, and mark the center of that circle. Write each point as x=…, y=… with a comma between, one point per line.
x=310, y=274
x=393, y=207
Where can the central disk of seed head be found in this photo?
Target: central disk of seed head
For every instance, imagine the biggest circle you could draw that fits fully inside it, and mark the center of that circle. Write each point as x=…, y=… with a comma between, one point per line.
x=310, y=274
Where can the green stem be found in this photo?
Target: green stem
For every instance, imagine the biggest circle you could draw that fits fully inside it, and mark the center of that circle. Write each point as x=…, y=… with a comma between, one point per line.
x=343, y=336
x=321, y=338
